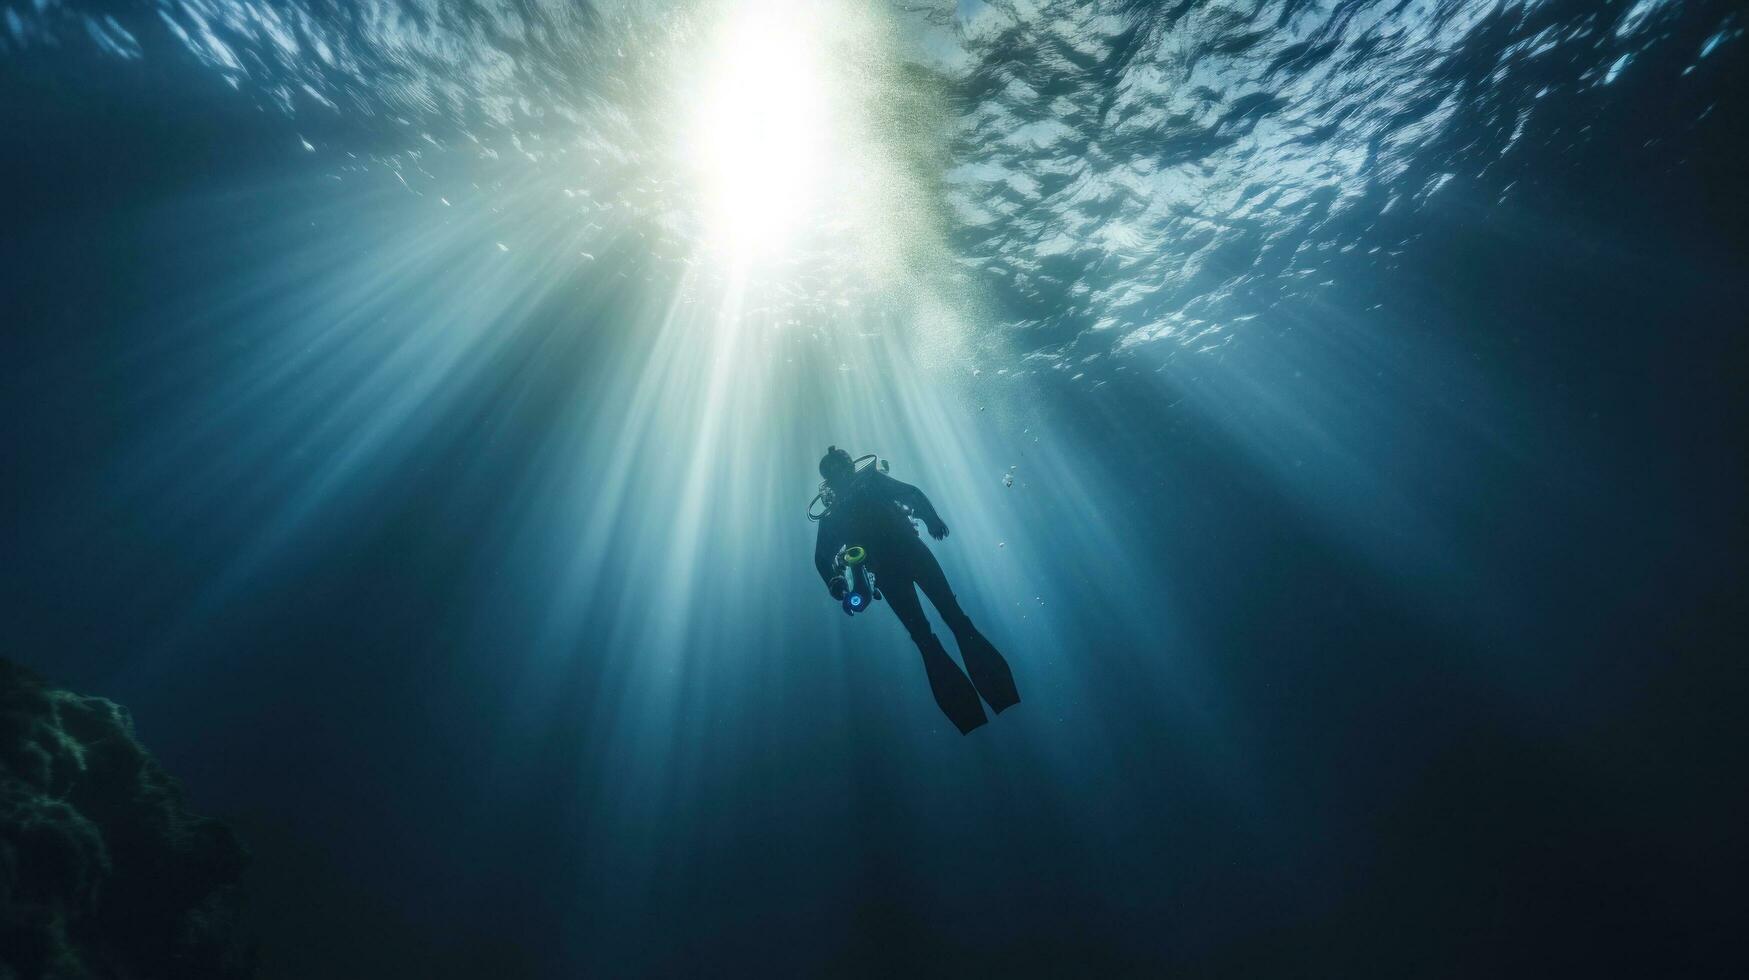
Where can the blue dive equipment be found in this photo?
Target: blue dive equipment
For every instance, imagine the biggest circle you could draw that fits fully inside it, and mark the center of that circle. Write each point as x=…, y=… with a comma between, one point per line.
x=861, y=592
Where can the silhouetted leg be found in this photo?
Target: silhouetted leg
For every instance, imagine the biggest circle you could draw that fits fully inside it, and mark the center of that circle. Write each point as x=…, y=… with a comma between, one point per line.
x=953, y=692
x=989, y=671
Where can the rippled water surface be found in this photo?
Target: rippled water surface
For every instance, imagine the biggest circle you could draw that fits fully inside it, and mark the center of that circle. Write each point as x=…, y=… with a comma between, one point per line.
x=1106, y=175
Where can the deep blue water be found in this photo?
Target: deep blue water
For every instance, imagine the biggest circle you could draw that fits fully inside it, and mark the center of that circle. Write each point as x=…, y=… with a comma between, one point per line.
x=409, y=415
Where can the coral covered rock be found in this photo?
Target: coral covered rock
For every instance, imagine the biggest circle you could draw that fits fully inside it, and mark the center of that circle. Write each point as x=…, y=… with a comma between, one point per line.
x=104, y=871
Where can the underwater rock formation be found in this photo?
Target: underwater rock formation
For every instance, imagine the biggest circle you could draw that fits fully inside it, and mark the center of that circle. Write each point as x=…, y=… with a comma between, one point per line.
x=104, y=871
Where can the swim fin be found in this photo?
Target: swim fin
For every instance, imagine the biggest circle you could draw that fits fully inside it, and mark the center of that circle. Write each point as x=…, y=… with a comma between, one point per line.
x=989, y=671
x=953, y=691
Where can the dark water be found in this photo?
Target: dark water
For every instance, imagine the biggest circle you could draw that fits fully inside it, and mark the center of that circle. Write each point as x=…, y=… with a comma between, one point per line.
x=385, y=426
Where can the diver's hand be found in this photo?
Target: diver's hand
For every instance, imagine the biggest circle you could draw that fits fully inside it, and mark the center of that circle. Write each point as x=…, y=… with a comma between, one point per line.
x=937, y=530
x=838, y=587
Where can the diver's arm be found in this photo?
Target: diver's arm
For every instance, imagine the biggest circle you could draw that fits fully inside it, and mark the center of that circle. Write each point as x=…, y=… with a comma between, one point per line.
x=826, y=545
x=918, y=504
x=826, y=550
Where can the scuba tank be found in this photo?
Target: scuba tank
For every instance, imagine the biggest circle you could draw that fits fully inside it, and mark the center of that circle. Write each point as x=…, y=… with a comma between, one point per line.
x=828, y=497
x=859, y=581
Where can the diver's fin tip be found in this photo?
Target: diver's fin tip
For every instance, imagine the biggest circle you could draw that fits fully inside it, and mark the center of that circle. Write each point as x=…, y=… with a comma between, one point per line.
x=954, y=693
x=989, y=672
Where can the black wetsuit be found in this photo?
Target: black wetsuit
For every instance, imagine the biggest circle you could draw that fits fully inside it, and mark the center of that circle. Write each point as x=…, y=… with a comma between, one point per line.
x=875, y=512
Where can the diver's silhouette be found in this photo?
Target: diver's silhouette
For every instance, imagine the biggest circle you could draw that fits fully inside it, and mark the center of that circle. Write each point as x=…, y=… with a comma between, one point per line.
x=867, y=525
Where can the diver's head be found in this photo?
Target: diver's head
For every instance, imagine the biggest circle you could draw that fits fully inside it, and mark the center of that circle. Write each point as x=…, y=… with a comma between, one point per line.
x=836, y=467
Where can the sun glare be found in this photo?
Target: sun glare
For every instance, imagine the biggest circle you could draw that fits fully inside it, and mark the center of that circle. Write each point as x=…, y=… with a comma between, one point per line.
x=761, y=135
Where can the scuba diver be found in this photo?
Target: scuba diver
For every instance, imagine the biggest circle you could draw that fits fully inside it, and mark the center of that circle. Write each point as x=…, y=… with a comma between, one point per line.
x=868, y=548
